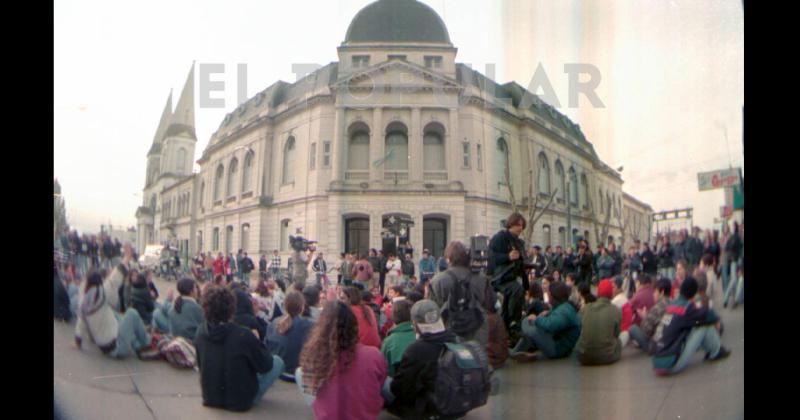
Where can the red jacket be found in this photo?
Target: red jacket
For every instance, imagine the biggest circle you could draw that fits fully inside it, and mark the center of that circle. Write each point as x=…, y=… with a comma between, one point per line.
x=219, y=267
x=367, y=326
x=627, y=317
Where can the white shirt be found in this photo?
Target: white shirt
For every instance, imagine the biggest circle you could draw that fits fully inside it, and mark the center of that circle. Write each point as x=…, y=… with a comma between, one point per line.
x=619, y=300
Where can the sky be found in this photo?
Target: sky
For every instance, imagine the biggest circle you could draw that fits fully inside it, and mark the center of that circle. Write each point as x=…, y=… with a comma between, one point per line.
x=671, y=81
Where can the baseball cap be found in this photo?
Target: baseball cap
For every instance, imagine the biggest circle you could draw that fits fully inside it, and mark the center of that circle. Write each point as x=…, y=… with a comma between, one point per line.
x=425, y=314
x=604, y=289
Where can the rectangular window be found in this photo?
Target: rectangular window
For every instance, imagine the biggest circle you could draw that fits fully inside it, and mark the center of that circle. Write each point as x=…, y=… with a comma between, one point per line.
x=433, y=61
x=360, y=61
x=326, y=154
x=465, y=148
x=215, y=239
x=312, y=159
x=480, y=158
x=397, y=57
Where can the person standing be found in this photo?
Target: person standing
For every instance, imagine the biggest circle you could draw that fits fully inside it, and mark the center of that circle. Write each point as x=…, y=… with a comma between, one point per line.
x=407, y=267
x=733, y=249
x=666, y=263
x=427, y=266
x=246, y=267
x=377, y=269
x=346, y=270
x=569, y=265
x=262, y=266
x=363, y=273
x=584, y=261
x=394, y=271
x=505, y=266
x=605, y=265
x=275, y=264
x=649, y=261
x=320, y=269
x=557, y=260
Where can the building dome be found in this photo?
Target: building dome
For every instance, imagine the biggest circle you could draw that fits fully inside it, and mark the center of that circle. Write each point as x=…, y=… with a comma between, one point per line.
x=397, y=21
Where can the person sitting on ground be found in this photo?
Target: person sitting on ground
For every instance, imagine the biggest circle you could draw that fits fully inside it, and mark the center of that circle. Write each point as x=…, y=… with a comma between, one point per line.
x=365, y=316
x=497, y=350
x=185, y=314
x=236, y=368
x=115, y=335
x=643, y=297
x=534, y=300
x=396, y=293
x=287, y=335
x=400, y=336
x=642, y=333
x=686, y=329
x=313, y=307
x=245, y=314
x=620, y=300
x=575, y=294
x=61, y=302
x=680, y=274
x=267, y=307
x=599, y=342
x=339, y=377
x=415, y=378
x=701, y=299
x=141, y=300
x=554, y=332
x=585, y=290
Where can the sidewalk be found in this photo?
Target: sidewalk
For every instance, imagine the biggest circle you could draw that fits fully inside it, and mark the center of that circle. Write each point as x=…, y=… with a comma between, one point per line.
x=91, y=386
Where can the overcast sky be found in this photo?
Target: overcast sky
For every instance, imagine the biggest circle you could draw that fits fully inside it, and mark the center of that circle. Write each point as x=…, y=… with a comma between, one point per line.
x=672, y=77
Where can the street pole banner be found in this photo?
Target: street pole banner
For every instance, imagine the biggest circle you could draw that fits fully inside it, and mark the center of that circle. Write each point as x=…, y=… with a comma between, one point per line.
x=718, y=179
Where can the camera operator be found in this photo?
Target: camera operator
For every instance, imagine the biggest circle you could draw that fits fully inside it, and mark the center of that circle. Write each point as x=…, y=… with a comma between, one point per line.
x=506, y=266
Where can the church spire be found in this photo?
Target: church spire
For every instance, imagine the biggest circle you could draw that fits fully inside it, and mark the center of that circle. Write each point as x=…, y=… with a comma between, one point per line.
x=182, y=120
x=162, y=124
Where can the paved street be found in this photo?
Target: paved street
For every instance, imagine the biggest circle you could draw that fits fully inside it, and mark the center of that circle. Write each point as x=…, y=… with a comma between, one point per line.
x=91, y=386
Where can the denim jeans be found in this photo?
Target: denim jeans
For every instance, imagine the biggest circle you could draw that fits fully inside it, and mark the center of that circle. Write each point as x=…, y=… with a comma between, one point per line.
x=532, y=336
x=386, y=390
x=638, y=336
x=265, y=380
x=734, y=284
x=131, y=334
x=298, y=377
x=161, y=320
x=705, y=337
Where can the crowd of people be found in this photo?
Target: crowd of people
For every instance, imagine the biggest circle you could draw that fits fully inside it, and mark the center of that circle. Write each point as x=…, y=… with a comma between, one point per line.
x=380, y=338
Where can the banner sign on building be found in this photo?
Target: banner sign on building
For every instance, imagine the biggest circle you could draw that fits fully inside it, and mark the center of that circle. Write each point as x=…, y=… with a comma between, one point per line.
x=718, y=179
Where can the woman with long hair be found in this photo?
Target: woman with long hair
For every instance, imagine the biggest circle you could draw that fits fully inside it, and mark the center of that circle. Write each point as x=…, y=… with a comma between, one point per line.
x=367, y=322
x=186, y=315
x=339, y=377
x=286, y=336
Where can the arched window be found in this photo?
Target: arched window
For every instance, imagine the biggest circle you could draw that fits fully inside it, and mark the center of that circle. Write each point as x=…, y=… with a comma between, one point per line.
x=180, y=165
x=358, y=148
x=228, y=239
x=230, y=189
x=284, y=239
x=215, y=239
x=244, y=240
x=218, y=182
x=584, y=190
x=434, y=235
x=356, y=235
x=562, y=236
x=288, y=161
x=561, y=181
x=396, y=147
x=544, y=174
x=433, y=148
x=547, y=239
x=247, y=172
x=502, y=159
x=573, y=187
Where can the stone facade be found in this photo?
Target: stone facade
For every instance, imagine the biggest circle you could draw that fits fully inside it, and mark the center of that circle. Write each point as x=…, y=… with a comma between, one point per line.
x=394, y=127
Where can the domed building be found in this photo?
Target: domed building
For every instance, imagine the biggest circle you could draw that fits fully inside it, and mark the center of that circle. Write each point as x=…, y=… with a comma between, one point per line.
x=394, y=128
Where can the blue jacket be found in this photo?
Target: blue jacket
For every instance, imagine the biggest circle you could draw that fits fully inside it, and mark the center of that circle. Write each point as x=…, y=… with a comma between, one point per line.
x=677, y=322
x=185, y=323
x=427, y=265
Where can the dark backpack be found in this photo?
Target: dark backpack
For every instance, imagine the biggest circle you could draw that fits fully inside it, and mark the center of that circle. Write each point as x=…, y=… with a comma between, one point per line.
x=461, y=312
x=462, y=379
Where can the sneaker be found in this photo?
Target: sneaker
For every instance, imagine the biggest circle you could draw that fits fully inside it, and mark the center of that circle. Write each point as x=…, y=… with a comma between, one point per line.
x=722, y=354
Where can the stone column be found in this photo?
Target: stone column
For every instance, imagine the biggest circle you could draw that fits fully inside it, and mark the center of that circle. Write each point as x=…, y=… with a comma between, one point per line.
x=415, y=147
x=453, y=149
x=339, y=140
x=376, y=145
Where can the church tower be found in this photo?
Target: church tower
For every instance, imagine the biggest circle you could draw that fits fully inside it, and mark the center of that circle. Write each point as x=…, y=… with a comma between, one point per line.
x=178, y=143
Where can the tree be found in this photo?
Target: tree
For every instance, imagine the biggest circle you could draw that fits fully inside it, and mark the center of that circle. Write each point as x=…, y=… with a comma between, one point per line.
x=534, y=211
x=59, y=211
x=600, y=228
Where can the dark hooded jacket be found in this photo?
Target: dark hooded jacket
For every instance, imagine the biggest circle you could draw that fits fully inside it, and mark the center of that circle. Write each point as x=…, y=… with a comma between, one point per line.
x=246, y=317
x=415, y=377
x=142, y=301
x=60, y=300
x=229, y=357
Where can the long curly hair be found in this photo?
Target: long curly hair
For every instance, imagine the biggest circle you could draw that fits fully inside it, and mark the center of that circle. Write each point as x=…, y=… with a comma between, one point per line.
x=334, y=335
